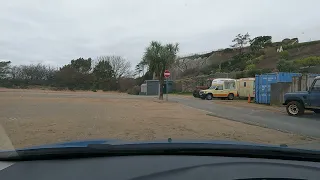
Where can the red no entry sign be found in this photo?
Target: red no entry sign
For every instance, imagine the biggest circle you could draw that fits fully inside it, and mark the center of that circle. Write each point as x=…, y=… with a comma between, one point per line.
x=166, y=73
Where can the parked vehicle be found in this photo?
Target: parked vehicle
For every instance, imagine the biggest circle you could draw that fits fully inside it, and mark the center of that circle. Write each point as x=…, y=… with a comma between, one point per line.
x=221, y=88
x=246, y=87
x=198, y=89
x=297, y=102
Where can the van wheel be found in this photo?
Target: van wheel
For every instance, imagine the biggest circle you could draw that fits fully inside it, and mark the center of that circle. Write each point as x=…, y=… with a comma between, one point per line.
x=295, y=108
x=209, y=97
x=231, y=96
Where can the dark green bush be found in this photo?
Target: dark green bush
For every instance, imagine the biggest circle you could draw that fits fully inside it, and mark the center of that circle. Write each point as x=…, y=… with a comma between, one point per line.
x=57, y=88
x=299, y=45
x=227, y=50
x=134, y=90
x=284, y=55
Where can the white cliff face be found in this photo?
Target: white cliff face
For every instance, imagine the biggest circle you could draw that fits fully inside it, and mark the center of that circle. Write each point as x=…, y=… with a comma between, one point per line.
x=185, y=64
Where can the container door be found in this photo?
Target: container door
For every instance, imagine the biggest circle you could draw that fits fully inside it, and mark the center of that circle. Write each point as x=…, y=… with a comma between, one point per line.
x=256, y=90
x=263, y=89
x=263, y=86
x=315, y=94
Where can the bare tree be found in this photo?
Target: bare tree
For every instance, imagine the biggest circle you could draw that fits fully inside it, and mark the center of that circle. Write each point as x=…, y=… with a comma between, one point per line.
x=32, y=72
x=4, y=68
x=182, y=64
x=120, y=66
x=240, y=41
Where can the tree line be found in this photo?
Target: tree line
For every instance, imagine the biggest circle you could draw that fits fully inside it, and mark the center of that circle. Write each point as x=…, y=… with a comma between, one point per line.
x=105, y=73
x=115, y=73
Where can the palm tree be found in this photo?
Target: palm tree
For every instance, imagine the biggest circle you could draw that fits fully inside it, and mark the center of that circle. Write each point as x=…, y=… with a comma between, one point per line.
x=160, y=57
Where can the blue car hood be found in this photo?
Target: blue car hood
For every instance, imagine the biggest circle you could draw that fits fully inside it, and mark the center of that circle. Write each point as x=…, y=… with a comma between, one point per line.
x=85, y=143
x=298, y=93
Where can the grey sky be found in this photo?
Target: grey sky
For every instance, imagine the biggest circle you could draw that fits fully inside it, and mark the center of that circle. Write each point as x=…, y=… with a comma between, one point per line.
x=56, y=31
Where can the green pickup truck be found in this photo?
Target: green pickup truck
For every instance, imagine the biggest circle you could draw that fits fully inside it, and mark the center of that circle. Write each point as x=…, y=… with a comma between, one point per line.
x=297, y=102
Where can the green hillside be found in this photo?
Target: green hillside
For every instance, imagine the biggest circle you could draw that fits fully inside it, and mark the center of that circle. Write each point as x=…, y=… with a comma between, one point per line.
x=261, y=55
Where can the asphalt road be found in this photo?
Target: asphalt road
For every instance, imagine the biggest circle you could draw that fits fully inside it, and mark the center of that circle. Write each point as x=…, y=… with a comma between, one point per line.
x=308, y=125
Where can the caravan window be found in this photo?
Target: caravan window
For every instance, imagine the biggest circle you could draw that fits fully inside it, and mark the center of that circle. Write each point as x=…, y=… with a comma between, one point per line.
x=244, y=84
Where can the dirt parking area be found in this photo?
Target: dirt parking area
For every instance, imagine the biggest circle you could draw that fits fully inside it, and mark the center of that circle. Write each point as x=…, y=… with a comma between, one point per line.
x=32, y=117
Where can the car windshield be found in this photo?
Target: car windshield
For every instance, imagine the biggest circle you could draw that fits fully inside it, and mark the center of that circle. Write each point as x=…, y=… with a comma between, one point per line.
x=213, y=87
x=139, y=71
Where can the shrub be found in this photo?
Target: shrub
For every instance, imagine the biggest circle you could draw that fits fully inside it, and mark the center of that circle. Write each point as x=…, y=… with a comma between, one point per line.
x=286, y=66
x=299, y=45
x=309, y=61
x=257, y=59
x=105, y=90
x=125, y=84
x=72, y=88
x=240, y=75
x=134, y=90
x=258, y=53
x=284, y=55
x=24, y=86
x=57, y=88
x=250, y=67
x=227, y=50
x=253, y=72
x=264, y=71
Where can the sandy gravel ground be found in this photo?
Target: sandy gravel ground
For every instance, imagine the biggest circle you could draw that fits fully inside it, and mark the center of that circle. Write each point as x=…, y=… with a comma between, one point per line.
x=38, y=117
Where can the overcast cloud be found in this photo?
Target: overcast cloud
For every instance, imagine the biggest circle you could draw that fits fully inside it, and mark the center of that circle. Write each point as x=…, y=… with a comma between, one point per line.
x=56, y=31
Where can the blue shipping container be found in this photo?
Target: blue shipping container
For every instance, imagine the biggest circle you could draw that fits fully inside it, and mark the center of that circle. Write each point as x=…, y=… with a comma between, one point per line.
x=263, y=84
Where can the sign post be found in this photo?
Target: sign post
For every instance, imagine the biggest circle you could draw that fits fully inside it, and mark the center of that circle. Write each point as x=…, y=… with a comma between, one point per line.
x=166, y=75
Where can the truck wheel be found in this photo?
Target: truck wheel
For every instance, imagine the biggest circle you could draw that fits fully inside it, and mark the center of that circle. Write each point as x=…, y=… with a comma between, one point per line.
x=295, y=108
x=317, y=111
x=209, y=97
x=231, y=96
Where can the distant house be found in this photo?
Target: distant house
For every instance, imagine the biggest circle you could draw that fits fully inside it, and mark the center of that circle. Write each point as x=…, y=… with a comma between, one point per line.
x=280, y=49
x=288, y=41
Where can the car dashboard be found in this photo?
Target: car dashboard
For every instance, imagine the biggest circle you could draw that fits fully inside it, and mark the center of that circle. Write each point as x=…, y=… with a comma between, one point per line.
x=159, y=167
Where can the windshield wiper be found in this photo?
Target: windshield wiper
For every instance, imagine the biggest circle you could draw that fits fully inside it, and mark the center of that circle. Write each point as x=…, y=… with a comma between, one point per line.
x=197, y=149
